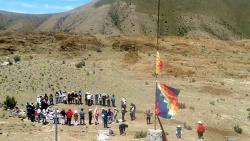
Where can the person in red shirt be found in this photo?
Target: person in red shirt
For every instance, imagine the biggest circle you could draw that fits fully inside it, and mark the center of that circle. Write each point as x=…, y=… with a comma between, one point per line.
x=69, y=115
x=200, y=130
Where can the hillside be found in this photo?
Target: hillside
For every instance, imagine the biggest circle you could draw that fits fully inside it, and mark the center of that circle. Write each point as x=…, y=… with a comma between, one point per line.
x=21, y=22
x=213, y=77
x=208, y=19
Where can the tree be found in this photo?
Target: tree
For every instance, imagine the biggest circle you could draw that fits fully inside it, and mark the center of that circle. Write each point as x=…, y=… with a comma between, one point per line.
x=9, y=102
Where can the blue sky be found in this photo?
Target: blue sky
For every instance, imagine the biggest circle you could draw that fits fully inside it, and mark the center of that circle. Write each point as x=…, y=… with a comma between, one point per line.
x=40, y=6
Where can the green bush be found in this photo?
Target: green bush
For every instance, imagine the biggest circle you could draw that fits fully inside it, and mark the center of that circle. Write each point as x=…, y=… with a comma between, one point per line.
x=182, y=105
x=140, y=134
x=237, y=129
x=248, y=117
x=212, y=103
x=9, y=103
x=80, y=64
x=187, y=126
x=17, y=58
x=191, y=108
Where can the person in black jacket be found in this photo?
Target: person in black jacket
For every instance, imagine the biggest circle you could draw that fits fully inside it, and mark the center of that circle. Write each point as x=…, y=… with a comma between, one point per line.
x=90, y=116
x=122, y=128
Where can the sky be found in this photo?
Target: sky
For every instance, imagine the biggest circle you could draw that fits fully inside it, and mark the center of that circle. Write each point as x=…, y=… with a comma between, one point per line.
x=40, y=6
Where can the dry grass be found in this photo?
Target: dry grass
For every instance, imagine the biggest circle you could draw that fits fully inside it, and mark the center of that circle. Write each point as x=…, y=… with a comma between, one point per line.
x=127, y=74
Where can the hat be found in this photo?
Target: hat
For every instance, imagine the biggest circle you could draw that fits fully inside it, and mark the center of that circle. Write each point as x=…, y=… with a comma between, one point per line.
x=199, y=122
x=90, y=109
x=114, y=108
x=179, y=126
x=103, y=108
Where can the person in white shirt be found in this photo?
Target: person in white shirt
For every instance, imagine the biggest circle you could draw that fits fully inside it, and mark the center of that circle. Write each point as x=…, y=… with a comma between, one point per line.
x=39, y=114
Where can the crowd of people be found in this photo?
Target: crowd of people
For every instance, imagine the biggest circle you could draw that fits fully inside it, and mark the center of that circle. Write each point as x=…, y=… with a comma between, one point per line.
x=44, y=112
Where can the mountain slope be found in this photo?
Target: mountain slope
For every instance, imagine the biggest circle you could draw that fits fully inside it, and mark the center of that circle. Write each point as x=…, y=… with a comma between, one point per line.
x=225, y=19
x=23, y=22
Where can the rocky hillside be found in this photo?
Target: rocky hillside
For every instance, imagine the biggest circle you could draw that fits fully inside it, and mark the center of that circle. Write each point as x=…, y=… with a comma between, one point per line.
x=208, y=19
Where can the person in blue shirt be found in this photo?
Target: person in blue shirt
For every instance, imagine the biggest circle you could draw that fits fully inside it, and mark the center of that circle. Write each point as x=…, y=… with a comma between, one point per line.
x=178, y=131
x=105, y=118
x=82, y=117
x=113, y=100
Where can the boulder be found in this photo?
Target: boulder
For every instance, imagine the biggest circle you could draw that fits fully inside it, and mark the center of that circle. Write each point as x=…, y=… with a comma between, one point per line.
x=103, y=135
x=154, y=135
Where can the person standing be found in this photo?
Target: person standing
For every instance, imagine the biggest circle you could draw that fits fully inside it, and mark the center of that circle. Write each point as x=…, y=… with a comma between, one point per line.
x=122, y=128
x=148, y=114
x=44, y=117
x=51, y=99
x=79, y=97
x=115, y=115
x=200, y=130
x=123, y=114
x=39, y=114
x=57, y=97
x=113, y=100
x=132, y=110
x=105, y=119
x=76, y=115
x=104, y=99
x=134, y=107
x=96, y=99
x=178, y=131
x=82, y=117
x=108, y=100
x=63, y=116
x=69, y=115
x=90, y=116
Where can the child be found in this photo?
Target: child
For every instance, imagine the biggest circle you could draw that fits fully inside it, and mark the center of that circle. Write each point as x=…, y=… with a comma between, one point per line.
x=178, y=131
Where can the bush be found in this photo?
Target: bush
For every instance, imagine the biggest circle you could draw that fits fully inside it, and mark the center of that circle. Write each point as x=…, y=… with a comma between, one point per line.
x=140, y=134
x=10, y=103
x=212, y=103
x=187, y=126
x=98, y=50
x=237, y=129
x=191, y=108
x=17, y=58
x=182, y=105
x=248, y=109
x=80, y=64
x=248, y=117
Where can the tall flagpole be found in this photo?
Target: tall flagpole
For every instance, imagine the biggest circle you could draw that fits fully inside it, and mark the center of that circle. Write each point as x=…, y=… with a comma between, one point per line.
x=157, y=37
x=158, y=22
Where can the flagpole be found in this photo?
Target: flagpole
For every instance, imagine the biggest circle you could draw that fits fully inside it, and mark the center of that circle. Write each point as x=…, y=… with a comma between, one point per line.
x=157, y=37
x=158, y=22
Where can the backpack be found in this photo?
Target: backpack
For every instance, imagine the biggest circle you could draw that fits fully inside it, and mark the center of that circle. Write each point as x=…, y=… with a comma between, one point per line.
x=111, y=132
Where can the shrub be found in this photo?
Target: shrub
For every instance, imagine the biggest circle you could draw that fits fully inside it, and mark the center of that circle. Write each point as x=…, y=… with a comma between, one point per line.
x=9, y=102
x=17, y=58
x=237, y=129
x=80, y=64
x=182, y=105
x=140, y=134
x=248, y=109
x=10, y=62
x=191, y=108
x=187, y=126
x=212, y=103
x=98, y=50
x=248, y=117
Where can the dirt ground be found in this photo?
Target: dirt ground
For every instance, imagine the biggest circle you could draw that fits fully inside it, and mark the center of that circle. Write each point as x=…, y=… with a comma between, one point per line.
x=213, y=76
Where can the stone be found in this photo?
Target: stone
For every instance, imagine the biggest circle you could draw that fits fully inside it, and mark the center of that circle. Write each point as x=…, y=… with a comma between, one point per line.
x=231, y=139
x=154, y=135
